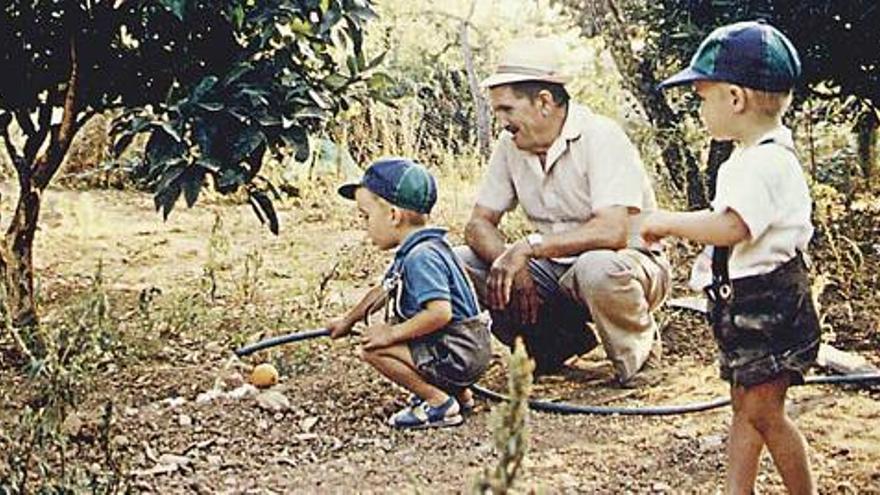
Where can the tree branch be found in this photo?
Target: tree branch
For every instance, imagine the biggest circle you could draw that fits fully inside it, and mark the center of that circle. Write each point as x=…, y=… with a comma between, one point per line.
x=35, y=140
x=21, y=166
x=47, y=164
x=23, y=118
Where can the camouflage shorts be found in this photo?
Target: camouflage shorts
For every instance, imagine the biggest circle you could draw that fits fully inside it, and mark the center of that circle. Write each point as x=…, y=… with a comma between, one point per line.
x=768, y=328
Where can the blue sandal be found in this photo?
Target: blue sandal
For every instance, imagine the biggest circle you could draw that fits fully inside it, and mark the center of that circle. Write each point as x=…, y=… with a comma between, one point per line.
x=425, y=416
x=466, y=407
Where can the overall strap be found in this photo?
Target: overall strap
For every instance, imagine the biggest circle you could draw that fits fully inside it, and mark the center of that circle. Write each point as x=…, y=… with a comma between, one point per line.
x=394, y=283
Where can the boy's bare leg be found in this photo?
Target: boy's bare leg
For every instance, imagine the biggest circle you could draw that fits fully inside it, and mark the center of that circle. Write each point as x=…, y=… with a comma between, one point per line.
x=744, y=445
x=395, y=362
x=765, y=408
x=785, y=442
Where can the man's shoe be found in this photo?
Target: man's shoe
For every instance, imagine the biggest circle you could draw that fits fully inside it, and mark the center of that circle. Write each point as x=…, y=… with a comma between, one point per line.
x=655, y=355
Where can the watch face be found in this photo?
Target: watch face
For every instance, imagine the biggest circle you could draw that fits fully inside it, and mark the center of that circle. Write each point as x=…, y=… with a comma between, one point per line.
x=534, y=240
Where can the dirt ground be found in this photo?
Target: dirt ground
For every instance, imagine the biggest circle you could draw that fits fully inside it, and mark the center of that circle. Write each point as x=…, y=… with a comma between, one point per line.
x=327, y=432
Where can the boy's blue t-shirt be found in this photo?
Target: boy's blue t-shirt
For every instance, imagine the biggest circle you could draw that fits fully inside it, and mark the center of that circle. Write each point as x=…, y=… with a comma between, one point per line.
x=430, y=272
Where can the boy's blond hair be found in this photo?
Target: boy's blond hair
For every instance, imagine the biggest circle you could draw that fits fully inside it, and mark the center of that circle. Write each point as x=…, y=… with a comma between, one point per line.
x=768, y=103
x=410, y=217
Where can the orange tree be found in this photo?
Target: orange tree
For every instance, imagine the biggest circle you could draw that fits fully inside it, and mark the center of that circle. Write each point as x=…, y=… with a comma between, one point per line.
x=215, y=83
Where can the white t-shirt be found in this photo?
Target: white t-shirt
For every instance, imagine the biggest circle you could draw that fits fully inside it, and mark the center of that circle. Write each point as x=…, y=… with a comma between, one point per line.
x=765, y=185
x=592, y=164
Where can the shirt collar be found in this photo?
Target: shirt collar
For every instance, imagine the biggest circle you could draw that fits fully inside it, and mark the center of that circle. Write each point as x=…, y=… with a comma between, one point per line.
x=416, y=237
x=780, y=135
x=571, y=130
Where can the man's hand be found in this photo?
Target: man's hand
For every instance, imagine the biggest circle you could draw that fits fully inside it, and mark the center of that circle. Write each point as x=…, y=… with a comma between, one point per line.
x=378, y=336
x=509, y=275
x=338, y=327
x=526, y=300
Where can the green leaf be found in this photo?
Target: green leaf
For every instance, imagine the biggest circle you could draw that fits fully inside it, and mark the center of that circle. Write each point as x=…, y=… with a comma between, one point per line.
x=236, y=73
x=192, y=181
x=177, y=7
x=229, y=179
x=376, y=61
x=246, y=142
x=336, y=81
x=264, y=209
x=331, y=17
x=168, y=191
x=309, y=113
x=380, y=81
x=211, y=106
x=237, y=16
x=301, y=27
x=204, y=87
x=162, y=147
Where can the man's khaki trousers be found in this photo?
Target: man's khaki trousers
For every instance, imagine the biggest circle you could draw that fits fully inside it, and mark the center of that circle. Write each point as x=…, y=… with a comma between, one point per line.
x=617, y=290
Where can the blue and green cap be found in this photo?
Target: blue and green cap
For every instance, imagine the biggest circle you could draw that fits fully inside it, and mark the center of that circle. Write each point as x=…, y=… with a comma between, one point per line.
x=753, y=54
x=400, y=181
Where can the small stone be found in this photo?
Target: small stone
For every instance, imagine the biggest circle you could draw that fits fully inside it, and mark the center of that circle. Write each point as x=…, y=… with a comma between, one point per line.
x=243, y=391
x=711, y=442
x=308, y=423
x=174, y=459
x=173, y=402
x=214, y=348
x=209, y=396
x=659, y=486
x=683, y=434
x=121, y=441
x=72, y=425
x=273, y=401
x=184, y=420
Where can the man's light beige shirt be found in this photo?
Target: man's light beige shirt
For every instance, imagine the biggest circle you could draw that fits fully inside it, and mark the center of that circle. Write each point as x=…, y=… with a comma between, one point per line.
x=591, y=165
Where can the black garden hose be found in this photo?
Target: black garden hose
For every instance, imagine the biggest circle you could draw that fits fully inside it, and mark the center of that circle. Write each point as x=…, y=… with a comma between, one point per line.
x=566, y=408
x=281, y=339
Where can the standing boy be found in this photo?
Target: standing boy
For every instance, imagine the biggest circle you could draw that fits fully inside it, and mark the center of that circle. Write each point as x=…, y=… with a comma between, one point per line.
x=761, y=309
x=432, y=343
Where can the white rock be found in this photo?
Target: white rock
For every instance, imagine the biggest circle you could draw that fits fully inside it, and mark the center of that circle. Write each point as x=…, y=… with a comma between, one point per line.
x=711, y=442
x=308, y=423
x=243, y=391
x=173, y=402
x=180, y=460
x=659, y=486
x=209, y=396
x=184, y=420
x=214, y=348
x=273, y=401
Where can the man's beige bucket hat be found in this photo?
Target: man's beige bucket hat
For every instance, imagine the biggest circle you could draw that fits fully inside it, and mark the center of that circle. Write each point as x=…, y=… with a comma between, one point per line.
x=530, y=59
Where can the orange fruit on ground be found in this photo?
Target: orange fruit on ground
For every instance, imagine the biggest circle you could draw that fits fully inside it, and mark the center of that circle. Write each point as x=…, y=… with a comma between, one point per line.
x=264, y=375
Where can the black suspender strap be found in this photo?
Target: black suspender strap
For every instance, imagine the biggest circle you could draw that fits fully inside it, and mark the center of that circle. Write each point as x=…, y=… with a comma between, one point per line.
x=721, y=289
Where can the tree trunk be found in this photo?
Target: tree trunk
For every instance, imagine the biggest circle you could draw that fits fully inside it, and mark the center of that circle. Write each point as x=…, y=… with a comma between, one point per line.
x=34, y=174
x=866, y=132
x=483, y=131
x=16, y=260
x=719, y=152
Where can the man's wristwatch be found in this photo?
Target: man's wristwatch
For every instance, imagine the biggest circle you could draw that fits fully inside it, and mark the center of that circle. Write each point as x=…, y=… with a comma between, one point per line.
x=535, y=241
